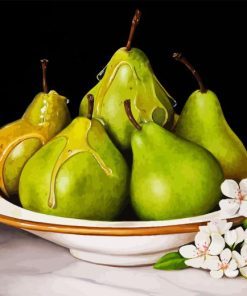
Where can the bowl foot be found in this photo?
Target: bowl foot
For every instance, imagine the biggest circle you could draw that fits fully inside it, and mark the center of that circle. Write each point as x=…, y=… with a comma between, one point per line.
x=118, y=260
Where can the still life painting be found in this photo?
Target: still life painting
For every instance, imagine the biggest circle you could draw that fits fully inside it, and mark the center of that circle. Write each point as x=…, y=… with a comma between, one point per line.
x=123, y=161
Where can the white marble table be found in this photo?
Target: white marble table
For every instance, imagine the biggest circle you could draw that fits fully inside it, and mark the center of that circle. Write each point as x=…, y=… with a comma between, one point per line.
x=32, y=266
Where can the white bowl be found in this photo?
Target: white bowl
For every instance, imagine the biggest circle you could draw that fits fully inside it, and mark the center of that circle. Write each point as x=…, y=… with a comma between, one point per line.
x=122, y=243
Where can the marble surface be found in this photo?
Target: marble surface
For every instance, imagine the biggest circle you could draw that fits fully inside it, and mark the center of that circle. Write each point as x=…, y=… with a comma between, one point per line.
x=30, y=265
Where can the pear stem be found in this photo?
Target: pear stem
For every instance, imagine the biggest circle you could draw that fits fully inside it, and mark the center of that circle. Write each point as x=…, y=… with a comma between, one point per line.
x=44, y=63
x=179, y=57
x=135, y=22
x=90, y=98
x=130, y=115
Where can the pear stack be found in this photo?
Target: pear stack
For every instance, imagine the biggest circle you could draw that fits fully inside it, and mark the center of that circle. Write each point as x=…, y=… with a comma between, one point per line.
x=82, y=169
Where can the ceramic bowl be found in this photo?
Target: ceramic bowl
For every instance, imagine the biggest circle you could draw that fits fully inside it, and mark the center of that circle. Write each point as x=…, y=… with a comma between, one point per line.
x=121, y=243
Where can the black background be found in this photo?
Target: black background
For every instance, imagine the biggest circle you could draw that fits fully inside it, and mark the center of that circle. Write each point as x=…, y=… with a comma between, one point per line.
x=79, y=38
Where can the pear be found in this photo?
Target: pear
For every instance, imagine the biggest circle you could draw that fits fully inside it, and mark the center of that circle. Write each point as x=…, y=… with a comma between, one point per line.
x=202, y=121
x=44, y=118
x=129, y=74
x=171, y=177
x=78, y=174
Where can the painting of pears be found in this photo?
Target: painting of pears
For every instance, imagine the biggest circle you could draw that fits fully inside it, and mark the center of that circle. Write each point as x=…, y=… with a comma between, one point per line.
x=128, y=151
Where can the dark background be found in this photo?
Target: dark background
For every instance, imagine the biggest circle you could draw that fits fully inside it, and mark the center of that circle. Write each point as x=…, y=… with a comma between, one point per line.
x=79, y=38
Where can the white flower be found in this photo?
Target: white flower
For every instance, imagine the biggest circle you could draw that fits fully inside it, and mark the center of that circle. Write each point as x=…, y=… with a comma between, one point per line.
x=216, y=226
x=245, y=236
x=237, y=203
x=241, y=260
x=235, y=236
x=205, y=247
x=225, y=266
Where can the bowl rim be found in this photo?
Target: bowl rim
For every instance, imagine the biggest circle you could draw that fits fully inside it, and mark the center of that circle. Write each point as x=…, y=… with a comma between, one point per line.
x=107, y=231
x=18, y=217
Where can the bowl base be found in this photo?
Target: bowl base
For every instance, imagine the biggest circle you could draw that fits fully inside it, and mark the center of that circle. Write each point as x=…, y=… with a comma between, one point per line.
x=118, y=260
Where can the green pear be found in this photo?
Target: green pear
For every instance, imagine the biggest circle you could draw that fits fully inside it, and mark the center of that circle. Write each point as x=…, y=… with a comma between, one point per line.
x=129, y=75
x=171, y=177
x=78, y=174
x=44, y=118
x=202, y=121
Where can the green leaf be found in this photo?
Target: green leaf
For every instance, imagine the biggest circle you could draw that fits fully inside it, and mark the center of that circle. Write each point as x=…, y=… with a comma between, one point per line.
x=171, y=261
x=243, y=272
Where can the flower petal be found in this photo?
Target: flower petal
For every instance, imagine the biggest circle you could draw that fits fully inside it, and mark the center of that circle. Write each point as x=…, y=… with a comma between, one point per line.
x=217, y=244
x=225, y=226
x=188, y=251
x=226, y=255
x=216, y=226
x=213, y=226
x=243, y=186
x=229, y=206
x=230, y=188
x=238, y=258
x=195, y=262
x=243, y=272
x=212, y=263
x=240, y=234
x=217, y=274
x=243, y=252
x=243, y=208
x=231, y=237
x=231, y=273
x=202, y=240
x=204, y=229
x=232, y=265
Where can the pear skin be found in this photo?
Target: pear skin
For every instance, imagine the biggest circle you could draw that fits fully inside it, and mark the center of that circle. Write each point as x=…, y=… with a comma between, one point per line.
x=81, y=175
x=181, y=178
